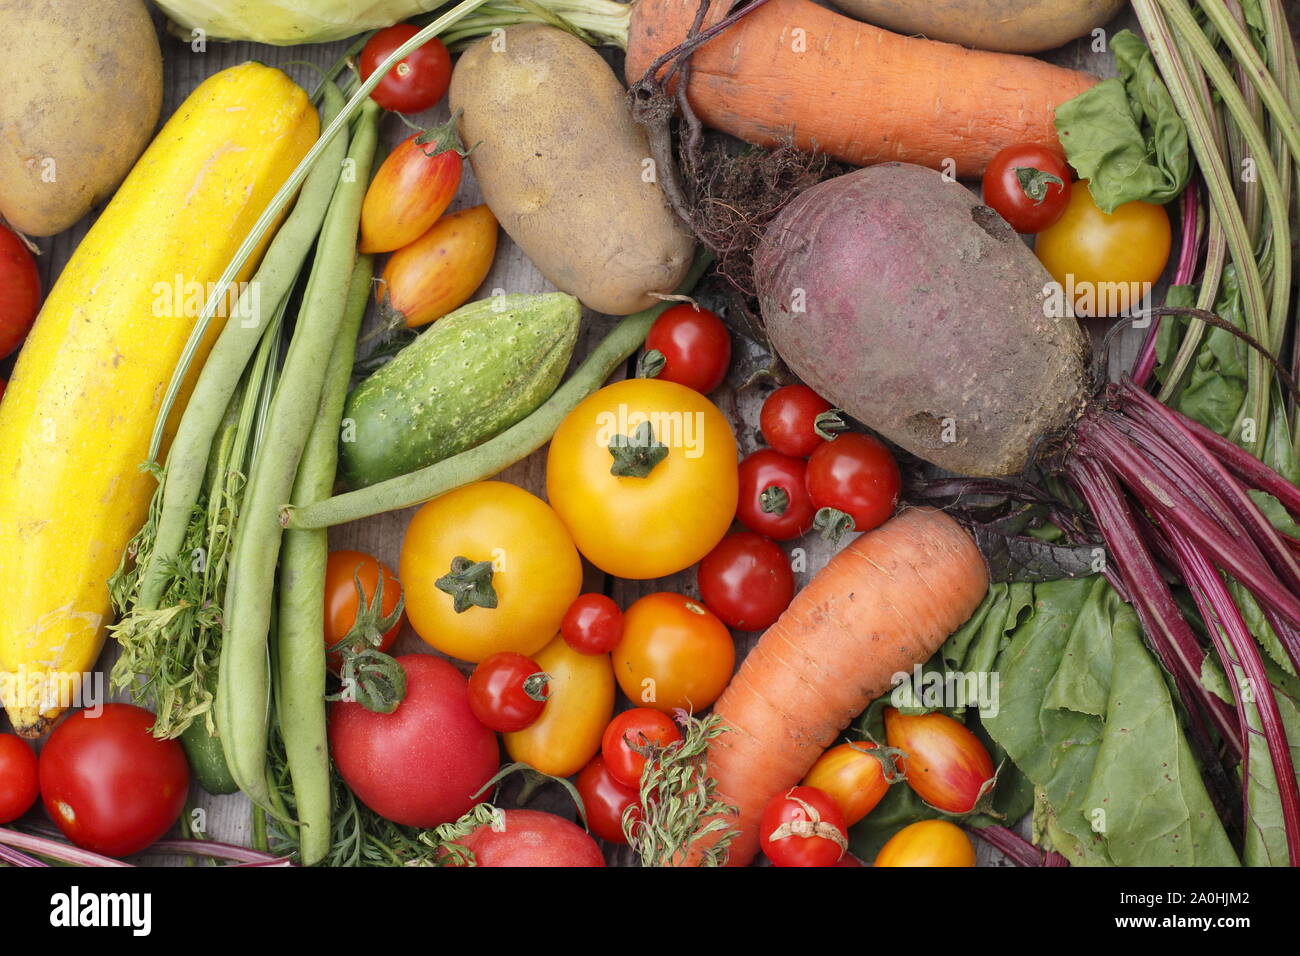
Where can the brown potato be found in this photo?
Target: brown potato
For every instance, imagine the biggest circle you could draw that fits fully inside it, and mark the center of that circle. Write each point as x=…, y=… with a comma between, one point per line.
x=1008, y=26
x=565, y=168
x=79, y=99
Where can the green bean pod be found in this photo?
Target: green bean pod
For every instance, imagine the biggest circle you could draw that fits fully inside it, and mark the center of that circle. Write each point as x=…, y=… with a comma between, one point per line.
x=187, y=458
x=243, y=713
x=300, y=663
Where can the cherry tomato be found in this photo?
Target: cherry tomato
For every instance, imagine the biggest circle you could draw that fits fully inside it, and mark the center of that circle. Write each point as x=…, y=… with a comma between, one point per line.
x=345, y=612
x=688, y=346
x=507, y=691
x=746, y=580
x=945, y=763
x=109, y=784
x=413, y=187
x=639, y=726
x=1105, y=264
x=855, y=779
x=593, y=624
x=774, y=496
x=1028, y=186
x=803, y=827
x=20, y=291
x=928, y=843
x=605, y=798
x=19, y=784
x=675, y=653
x=418, y=81
x=855, y=474
x=790, y=418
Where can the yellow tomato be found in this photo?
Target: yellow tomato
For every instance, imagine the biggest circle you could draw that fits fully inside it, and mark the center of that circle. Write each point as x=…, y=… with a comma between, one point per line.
x=487, y=568
x=644, y=475
x=675, y=653
x=1105, y=264
x=928, y=843
x=580, y=705
x=853, y=778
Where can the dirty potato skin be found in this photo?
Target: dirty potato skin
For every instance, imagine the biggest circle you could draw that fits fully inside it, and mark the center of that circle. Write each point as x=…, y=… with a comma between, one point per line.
x=81, y=86
x=1006, y=26
x=900, y=298
x=561, y=161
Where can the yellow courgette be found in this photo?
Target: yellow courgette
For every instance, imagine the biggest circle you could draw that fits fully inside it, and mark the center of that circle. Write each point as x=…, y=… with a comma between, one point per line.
x=75, y=422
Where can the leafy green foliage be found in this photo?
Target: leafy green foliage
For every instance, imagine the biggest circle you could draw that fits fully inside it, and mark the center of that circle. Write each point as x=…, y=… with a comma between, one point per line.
x=1125, y=135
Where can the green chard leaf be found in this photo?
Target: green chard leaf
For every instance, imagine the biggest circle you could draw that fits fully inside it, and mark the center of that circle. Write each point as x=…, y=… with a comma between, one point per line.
x=1124, y=135
x=1087, y=717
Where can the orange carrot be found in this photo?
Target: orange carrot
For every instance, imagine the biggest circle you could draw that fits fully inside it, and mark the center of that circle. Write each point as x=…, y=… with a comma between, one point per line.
x=883, y=604
x=860, y=93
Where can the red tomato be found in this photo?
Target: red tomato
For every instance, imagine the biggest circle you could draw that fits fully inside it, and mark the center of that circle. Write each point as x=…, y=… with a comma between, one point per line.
x=605, y=798
x=636, y=727
x=109, y=784
x=803, y=827
x=418, y=81
x=855, y=474
x=422, y=764
x=1028, y=186
x=774, y=496
x=746, y=580
x=790, y=418
x=20, y=291
x=593, y=624
x=945, y=763
x=343, y=605
x=533, y=838
x=693, y=346
x=507, y=691
x=19, y=785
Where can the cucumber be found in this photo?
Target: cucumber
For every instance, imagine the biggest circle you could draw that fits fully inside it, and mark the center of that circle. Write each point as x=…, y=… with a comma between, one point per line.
x=207, y=762
x=472, y=375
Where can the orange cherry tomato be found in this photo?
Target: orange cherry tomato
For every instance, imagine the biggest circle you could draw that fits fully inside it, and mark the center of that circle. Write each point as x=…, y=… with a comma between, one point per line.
x=438, y=272
x=411, y=189
x=854, y=778
x=675, y=653
x=945, y=763
x=343, y=608
x=928, y=843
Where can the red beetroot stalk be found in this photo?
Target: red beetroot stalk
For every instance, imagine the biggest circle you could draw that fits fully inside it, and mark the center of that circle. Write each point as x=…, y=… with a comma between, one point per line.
x=54, y=849
x=1216, y=604
x=1170, y=636
x=1243, y=464
x=1183, y=275
x=1016, y=848
x=12, y=857
x=1171, y=505
x=1173, y=431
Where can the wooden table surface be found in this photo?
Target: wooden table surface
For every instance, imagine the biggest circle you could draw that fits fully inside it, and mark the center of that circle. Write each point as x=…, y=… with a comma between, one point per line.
x=227, y=818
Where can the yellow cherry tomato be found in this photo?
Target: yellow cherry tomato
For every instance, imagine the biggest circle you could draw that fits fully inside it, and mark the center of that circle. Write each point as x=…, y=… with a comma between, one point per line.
x=644, y=475
x=487, y=568
x=675, y=653
x=580, y=705
x=852, y=777
x=1105, y=263
x=928, y=843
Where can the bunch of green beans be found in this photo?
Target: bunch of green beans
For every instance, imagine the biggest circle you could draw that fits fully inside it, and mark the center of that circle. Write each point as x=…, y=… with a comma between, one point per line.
x=243, y=687
x=300, y=662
